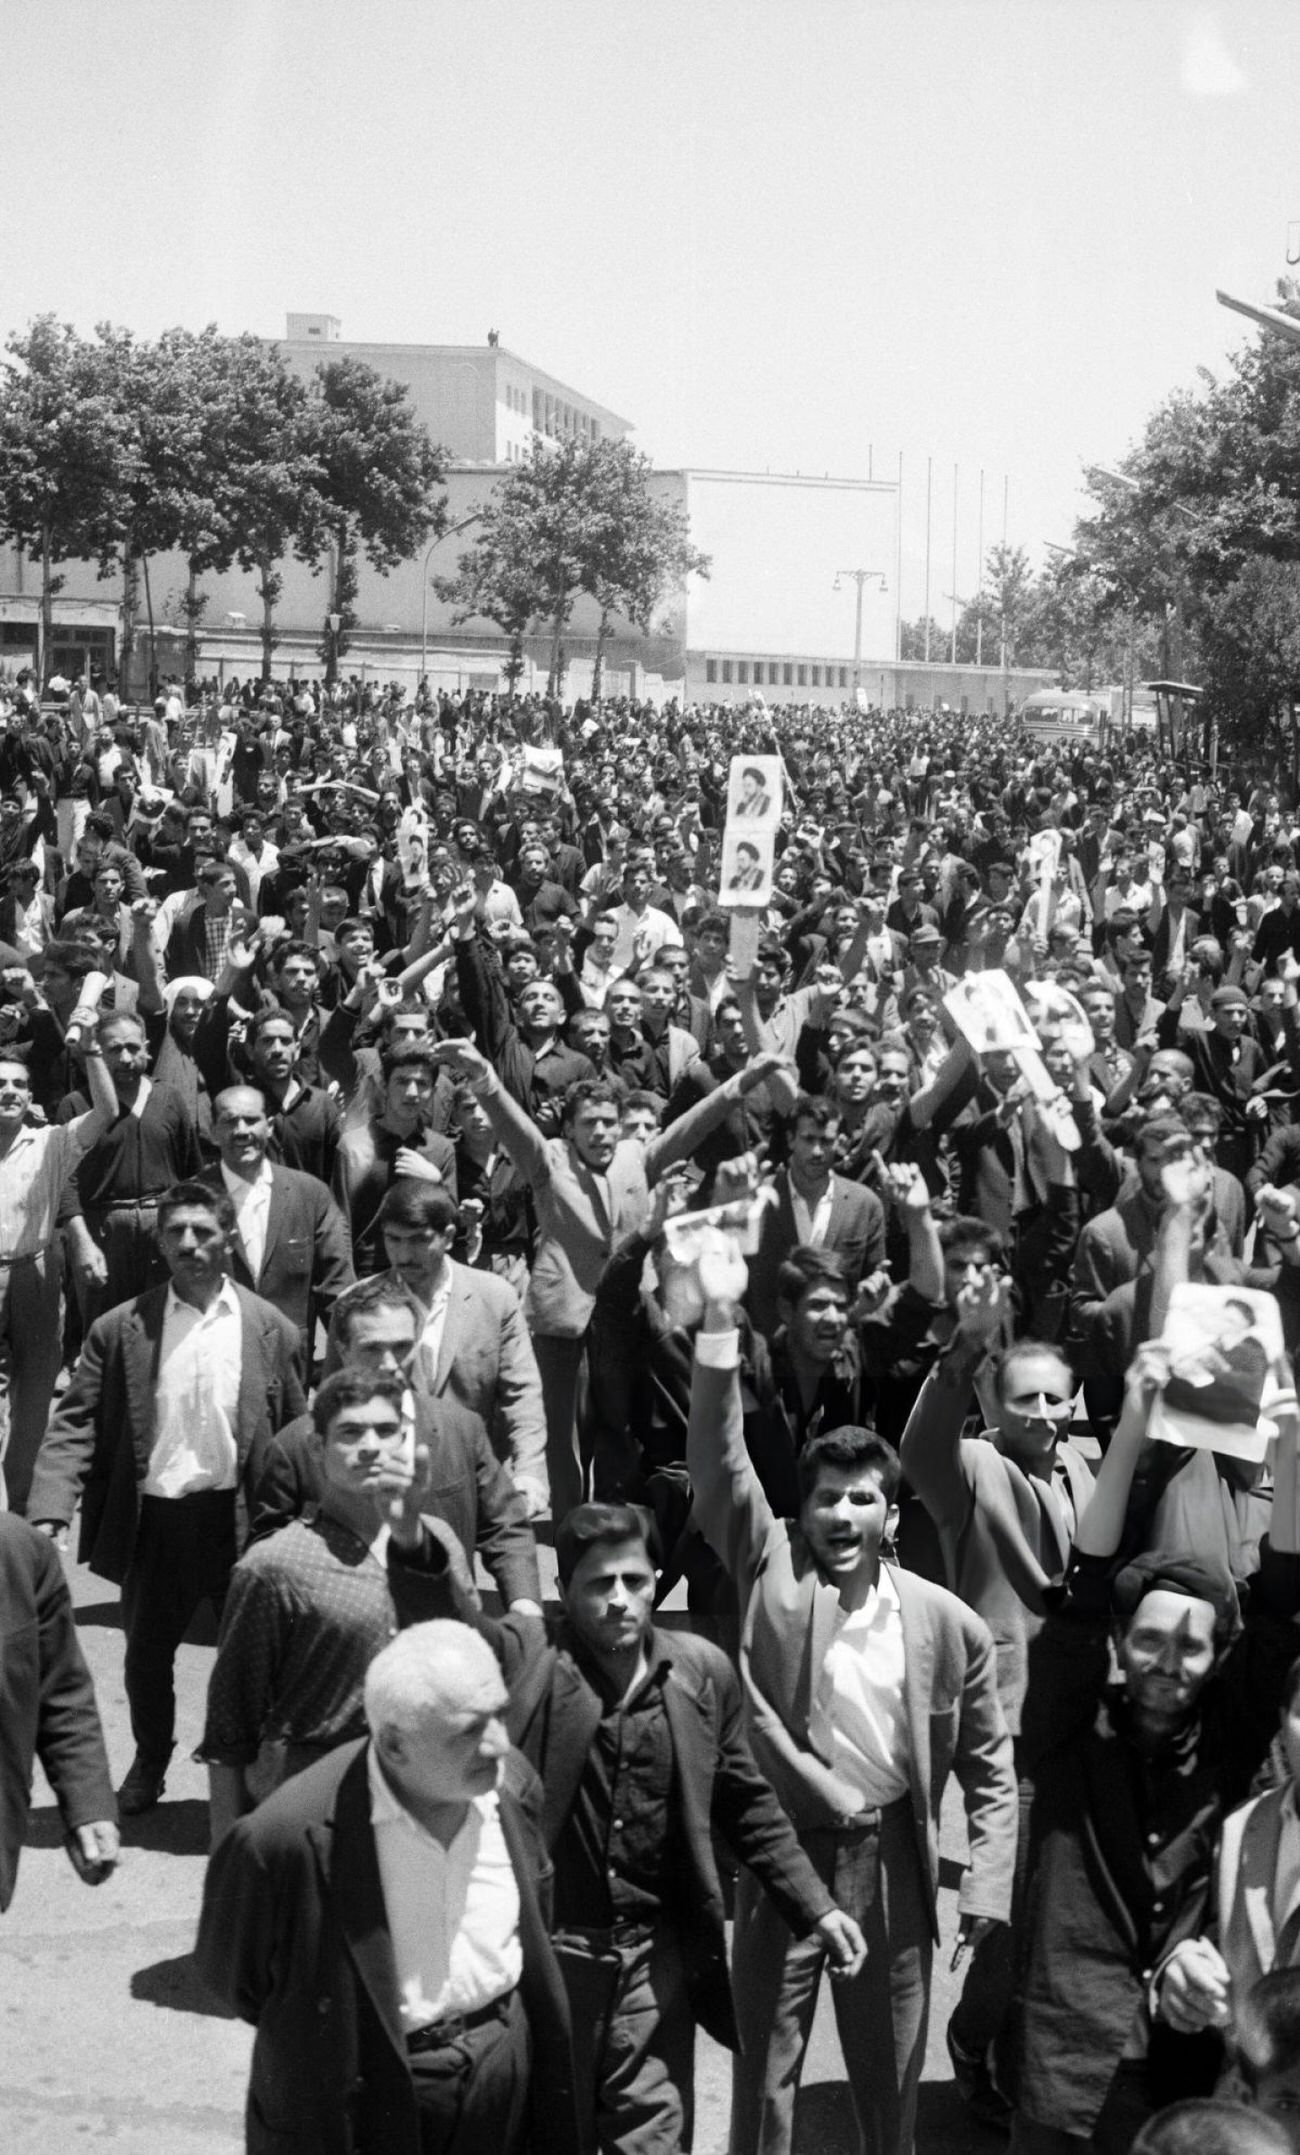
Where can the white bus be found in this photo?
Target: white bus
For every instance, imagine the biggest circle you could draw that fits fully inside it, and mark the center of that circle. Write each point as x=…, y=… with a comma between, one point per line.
x=1059, y=715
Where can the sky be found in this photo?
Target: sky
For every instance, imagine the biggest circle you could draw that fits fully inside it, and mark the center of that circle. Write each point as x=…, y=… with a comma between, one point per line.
x=789, y=235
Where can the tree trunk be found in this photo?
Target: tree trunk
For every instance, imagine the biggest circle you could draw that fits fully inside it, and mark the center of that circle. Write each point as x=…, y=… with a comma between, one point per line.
x=193, y=608
x=153, y=642
x=268, y=591
x=555, y=669
x=47, y=612
x=598, y=670
x=130, y=602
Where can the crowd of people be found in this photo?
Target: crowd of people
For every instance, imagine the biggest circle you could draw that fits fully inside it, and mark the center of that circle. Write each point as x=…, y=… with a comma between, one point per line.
x=363, y=1061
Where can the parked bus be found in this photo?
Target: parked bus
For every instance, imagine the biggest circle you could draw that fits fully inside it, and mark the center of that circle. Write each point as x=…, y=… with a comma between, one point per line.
x=1061, y=714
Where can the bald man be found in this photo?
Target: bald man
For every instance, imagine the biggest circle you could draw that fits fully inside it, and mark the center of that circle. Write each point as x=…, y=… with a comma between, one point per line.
x=382, y=1920
x=291, y=1243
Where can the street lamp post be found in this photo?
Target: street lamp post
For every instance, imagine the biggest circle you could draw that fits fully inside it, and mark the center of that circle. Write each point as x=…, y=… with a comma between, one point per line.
x=963, y=604
x=335, y=624
x=450, y=533
x=859, y=577
x=1282, y=325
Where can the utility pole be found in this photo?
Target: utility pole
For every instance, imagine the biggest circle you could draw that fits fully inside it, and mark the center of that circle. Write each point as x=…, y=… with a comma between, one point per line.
x=859, y=577
x=929, y=474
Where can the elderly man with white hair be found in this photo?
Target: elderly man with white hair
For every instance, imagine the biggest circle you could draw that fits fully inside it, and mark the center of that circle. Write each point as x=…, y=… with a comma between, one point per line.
x=383, y=1922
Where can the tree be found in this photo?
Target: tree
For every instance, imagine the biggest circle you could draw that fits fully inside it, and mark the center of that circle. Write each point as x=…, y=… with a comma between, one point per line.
x=922, y=640
x=495, y=581
x=575, y=516
x=638, y=545
x=165, y=394
x=1251, y=645
x=267, y=500
x=378, y=470
x=1208, y=498
x=63, y=453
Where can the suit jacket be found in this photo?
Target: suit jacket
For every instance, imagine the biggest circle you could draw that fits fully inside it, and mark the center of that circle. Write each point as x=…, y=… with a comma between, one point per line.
x=364, y=1174
x=307, y=1256
x=1001, y=1534
x=855, y=1232
x=469, y=1491
x=1255, y=1934
x=787, y=1618
x=486, y=1365
x=1164, y=937
x=293, y=1936
x=47, y=1701
x=98, y=1443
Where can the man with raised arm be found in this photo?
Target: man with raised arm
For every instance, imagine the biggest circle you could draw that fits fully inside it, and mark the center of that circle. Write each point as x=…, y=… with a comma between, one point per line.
x=591, y=1189
x=865, y=1689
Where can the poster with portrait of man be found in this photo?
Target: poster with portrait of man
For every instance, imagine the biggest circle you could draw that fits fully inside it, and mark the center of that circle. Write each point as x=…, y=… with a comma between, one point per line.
x=1229, y=1376
x=754, y=792
x=747, y=865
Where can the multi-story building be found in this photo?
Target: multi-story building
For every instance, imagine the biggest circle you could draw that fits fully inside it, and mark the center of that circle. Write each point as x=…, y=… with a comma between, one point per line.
x=480, y=401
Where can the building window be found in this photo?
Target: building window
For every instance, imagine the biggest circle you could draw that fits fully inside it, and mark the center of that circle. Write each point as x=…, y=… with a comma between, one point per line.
x=803, y=676
x=816, y=677
x=539, y=413
x=742, y=670
x=726, y=669
x=710, y=669
x=844, y=677
x=595, y=430
x=787, y=676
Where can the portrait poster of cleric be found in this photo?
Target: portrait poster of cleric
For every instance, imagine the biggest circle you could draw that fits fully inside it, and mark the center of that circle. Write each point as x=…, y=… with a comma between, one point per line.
x=754, y=791
x=1229, y=1371
x=754, y=802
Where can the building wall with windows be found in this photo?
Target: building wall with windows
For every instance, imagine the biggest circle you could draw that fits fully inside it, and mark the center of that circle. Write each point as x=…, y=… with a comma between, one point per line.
x=479, y=401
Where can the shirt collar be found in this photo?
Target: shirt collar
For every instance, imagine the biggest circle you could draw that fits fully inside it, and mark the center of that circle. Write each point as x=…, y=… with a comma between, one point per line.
x=226, y=1299
x=387, y=1809
x=659, y=1663
x=238, y=1185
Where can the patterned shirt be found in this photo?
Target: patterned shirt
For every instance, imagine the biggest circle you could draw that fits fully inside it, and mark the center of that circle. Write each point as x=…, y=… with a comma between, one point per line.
x=308, y=1610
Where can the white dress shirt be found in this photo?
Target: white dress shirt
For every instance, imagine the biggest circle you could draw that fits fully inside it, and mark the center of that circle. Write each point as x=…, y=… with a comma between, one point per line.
x=812, y=1222
x=252, y=1202
x=196, y=1397
x=858, y=1723
x=32, y=1175
x=424, y=1368
x=1286, y=1878
x=453, y=1912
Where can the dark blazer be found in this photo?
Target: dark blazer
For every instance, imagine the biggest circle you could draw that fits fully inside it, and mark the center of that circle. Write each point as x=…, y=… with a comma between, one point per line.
x=47, y=1701
x=553, y=1717
x=469, y=1491
x=307, y=1259
x=856, y=1234
x=293, y=1937
x=1164, y=936
x=187, y=947
x=98, y=1443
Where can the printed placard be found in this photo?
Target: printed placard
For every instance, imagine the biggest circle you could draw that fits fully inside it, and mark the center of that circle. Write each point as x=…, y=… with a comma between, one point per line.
x=1230, y=1374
